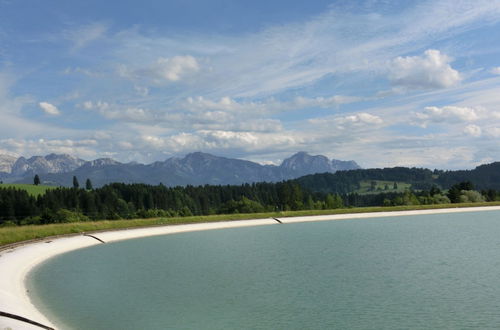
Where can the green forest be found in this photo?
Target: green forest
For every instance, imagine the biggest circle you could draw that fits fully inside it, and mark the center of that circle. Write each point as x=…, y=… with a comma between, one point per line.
x=357, y=188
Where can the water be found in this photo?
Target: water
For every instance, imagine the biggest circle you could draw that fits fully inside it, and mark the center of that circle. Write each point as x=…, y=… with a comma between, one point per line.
x=412, y=272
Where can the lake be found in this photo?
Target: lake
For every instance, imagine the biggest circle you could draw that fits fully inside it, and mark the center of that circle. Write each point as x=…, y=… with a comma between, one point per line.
x=420, y=272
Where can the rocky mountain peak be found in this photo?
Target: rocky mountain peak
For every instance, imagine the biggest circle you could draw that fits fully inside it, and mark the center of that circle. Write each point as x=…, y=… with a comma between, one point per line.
x=101, y=162
x=6, y=163
x=199, y=156
x=303, y=163
x=52, y=163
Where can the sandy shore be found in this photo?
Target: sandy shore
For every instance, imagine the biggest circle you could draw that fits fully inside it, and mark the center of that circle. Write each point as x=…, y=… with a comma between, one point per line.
x=16, y=263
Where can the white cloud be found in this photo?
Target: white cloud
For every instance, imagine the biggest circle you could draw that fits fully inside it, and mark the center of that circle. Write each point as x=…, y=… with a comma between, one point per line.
x=164, y=69
x=200, y=104
x=362, y=118
x=495, y=70
x=270, y=105
x=432, y=70
x=127, y=114
x=174, y=68
x=322, y=102
x=213, y=140
x=358, y=120
x=29, y=147
x=194, y=114
x=446, y=114
x=101, y=106
x=473, y=130
x=49, y=109
x=226, y=113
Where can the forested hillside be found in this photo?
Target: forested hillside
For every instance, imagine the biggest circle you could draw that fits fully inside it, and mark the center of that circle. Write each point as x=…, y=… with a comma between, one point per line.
x=483, y=177
x=345, y=182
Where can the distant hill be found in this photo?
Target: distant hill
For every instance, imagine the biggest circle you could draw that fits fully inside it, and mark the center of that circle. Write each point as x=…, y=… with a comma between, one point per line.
x=194, y=169
x=483, y=177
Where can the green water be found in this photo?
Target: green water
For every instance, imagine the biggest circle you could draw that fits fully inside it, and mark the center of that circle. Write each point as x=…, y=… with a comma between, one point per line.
x=413, y=272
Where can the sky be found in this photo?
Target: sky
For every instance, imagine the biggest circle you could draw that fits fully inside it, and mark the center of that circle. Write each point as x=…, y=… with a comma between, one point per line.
x=385, y=83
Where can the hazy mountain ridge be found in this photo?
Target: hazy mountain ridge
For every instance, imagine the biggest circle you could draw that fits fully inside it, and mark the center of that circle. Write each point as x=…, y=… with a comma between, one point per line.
x=45, y=164
x=302, y=164
x=194, y=169
x=6, y=163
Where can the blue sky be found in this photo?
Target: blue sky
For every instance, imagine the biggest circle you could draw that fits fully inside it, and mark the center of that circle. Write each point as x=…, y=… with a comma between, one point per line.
x=385, y=83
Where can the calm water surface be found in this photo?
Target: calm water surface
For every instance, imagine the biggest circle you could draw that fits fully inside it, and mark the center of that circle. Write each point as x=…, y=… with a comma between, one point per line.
x=412, y=272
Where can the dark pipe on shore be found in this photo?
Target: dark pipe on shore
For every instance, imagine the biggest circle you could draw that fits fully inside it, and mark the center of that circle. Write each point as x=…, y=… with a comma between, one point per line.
x=278, y=220
x=23, y=319
x=97, y=238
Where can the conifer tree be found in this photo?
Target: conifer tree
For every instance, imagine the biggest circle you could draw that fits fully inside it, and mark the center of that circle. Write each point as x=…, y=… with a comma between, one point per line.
x=36, y=180
x=88, y=184
x=75, y=182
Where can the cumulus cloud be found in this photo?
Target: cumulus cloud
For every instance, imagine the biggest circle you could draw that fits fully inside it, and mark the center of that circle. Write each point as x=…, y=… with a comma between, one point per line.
x=358, y=120
x=213, y=140
x=432, y=70
x=361, y=118
x=99, y=105
x=128, y=114
x=270, y=105
x=176, y=67
x=226, y=112
x=165, y=69
x=473, y=130
x=322, y=102
x=447, y=114
x=495, y=70
x=199, y=114
x=49, y=109
x=26, y=147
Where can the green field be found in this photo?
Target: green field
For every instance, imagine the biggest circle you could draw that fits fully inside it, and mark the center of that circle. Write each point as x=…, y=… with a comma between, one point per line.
x=378, y=186
x=14, y=234
x=30, y=188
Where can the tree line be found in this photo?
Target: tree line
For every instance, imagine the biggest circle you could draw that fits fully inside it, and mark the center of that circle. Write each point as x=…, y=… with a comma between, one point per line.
x=125, y=201
x=122, y=201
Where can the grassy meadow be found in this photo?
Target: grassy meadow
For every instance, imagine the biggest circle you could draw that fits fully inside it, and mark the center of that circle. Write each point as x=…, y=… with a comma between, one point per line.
x=15, y=234
x=30, y=188
x=379, y=186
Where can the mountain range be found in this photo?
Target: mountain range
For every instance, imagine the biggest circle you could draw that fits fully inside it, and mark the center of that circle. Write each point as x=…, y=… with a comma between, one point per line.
x=194, y=169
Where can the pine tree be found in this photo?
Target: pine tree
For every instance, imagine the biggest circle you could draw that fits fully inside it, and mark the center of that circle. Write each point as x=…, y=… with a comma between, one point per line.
x=88, y=184
x=36, y=180
x=75, y=182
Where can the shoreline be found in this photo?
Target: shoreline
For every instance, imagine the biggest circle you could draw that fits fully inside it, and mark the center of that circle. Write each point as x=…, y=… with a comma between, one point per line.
x=16, y=262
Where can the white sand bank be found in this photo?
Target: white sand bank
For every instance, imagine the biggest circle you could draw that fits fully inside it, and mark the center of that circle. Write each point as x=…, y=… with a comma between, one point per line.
x=15, y=263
